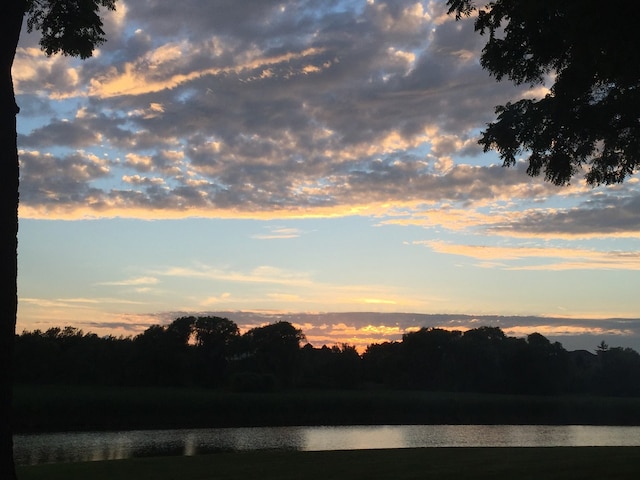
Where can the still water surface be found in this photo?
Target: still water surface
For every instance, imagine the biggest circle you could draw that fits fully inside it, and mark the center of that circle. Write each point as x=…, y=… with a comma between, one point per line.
x=94, y=446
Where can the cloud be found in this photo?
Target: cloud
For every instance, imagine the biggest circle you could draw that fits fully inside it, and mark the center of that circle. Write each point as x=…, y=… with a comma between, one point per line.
x=261, y=274
x=54, y=77
x=545, y=258
x=378, y=301
x=75, y=302
x=161, y=69
x=598, y=217
x=283, y=110
x=277, y=233
x=132, y=282
x=294, y=111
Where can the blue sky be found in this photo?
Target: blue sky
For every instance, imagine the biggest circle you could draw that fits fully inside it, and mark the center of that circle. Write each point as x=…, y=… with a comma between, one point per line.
x=314, y=161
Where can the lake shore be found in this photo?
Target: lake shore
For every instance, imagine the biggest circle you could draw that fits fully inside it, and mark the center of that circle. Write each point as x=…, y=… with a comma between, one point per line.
x=442, y=463
x=72, y=408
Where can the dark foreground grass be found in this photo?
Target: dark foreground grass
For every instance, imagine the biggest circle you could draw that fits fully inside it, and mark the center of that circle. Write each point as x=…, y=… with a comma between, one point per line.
x=429, y=463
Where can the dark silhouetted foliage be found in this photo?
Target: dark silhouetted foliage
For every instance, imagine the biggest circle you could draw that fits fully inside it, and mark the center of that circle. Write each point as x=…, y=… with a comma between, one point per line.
x=211, y=352
x=590, y=52
x=273, y=350
x=216, y=338
x=619, y=371
x=337, y=367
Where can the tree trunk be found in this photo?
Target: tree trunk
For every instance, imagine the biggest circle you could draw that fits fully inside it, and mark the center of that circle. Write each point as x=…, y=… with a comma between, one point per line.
x=10, y=26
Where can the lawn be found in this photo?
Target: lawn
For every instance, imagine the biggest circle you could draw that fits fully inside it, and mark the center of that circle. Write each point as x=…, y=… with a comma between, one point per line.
x=427, y=463
x=57, y=408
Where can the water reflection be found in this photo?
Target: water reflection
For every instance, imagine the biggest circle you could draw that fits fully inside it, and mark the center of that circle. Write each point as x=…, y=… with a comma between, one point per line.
x=490, y=436
x=354, y=438
x=93, y=446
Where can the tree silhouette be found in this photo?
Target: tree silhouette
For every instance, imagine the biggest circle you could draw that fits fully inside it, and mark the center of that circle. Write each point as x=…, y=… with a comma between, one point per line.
x=210, y=352
x=482, y=360
x=619, y=371
x=274, y=349
x=589, y=119
x=383, y=364
x=215, y=337
x=161, y=356
x=69, y=356
x=337, y=367
x=430, y=358
x=70, y=27
x=544, y=366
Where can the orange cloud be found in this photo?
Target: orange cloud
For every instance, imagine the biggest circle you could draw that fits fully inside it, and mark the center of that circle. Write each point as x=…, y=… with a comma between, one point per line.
x=142, y=77
x=561, y=258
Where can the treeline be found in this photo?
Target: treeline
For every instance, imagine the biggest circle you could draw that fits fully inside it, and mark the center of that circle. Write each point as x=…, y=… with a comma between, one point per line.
x=211, y=352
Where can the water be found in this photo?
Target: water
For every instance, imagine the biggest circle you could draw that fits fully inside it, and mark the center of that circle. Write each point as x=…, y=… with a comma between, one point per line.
x=95, y=446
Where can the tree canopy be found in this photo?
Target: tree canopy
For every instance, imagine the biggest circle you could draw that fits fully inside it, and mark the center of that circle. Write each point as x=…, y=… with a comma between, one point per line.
x=589, y=121
x=72, y=27
x=211, y=352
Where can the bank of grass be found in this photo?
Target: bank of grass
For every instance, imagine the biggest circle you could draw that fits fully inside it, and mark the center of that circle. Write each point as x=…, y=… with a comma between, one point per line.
x=438, y=463
x=57, y=408
x=78, y=408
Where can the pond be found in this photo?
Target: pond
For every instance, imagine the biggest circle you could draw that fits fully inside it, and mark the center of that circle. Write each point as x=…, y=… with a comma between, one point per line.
x=95, y=446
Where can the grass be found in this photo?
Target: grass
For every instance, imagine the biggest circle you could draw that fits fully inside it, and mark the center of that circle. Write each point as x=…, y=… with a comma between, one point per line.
x=59, y=408
x=438, y=463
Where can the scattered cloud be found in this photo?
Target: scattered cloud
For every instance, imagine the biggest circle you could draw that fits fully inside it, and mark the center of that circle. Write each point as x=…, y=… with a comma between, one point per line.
x=277, y=233
x=552, y=258
x=133, y=282
x=296, y=111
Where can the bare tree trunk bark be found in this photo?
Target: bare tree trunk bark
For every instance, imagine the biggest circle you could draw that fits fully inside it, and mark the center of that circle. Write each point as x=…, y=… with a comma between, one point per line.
x=10, y=26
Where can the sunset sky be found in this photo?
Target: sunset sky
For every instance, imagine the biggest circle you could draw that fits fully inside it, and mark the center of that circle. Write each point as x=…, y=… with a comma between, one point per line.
x=297, y=160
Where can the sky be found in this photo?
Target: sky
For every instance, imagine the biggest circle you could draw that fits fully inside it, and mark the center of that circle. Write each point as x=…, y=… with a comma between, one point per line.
x=309, y=161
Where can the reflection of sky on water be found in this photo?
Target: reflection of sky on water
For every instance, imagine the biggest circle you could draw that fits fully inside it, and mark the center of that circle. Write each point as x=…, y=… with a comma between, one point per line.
x=94, y=446
x=489, y=435
x=519, y=435
x=353, y=438
x=583, y=435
